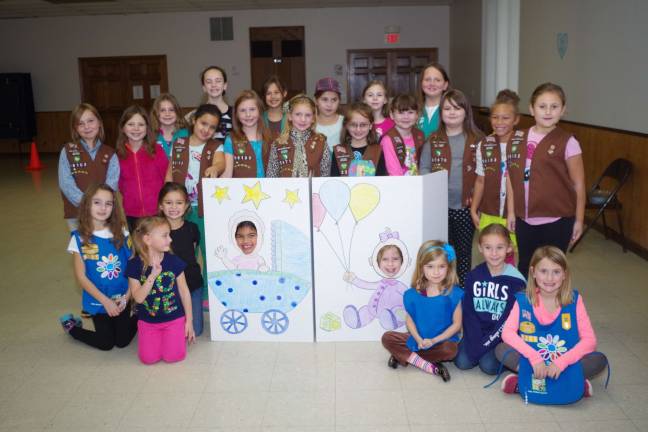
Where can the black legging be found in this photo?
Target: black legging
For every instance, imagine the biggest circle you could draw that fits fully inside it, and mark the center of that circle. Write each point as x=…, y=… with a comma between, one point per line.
x=460, y=235
x=109, y=331
x=531, y=237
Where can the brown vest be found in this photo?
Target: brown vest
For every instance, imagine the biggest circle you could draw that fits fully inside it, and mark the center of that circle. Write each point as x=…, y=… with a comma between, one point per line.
x=245, y=163
x=399, y=144
x=180, y=163
x=85, y=171
x=491, y=156
x=442, y=159
x=314, y=148
x=551, y=191
x=344, y=156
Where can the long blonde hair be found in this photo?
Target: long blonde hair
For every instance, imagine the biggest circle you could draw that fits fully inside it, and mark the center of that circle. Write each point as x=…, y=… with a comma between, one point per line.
x=144, y=227
x=564, y=295
x=75, y=118
x=294, y=101
x=430, y=251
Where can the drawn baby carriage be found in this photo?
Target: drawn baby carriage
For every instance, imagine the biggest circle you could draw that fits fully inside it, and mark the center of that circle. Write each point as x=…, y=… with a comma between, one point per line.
x=273, y=293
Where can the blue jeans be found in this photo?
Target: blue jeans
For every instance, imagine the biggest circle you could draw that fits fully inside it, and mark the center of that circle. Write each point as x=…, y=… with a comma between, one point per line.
x=488, y=363
x=197, y=310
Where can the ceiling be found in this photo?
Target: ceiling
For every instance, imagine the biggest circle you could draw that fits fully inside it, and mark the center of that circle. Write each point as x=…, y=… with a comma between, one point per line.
x=42, y=8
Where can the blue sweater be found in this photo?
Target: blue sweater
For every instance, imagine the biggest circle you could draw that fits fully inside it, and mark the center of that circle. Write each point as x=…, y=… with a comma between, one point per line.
x=486, y=304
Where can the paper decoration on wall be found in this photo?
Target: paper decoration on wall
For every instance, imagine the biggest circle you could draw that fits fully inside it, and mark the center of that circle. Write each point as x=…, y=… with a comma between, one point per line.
x=562, y=41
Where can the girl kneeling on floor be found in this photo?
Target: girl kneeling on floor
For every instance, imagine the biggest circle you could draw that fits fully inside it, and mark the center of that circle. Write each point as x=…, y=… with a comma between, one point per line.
x=433, y=307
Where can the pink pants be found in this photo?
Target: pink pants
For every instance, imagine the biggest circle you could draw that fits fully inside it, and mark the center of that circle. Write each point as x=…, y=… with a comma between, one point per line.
x=161, y=341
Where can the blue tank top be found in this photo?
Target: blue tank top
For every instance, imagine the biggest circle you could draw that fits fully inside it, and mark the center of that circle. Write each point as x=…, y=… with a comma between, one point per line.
x=104, y=266
x=551, y=341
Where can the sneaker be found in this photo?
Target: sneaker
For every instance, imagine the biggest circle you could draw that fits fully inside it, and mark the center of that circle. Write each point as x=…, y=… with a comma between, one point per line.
x=392, y=362
x=78, y=322
x=442, y=371
x=589, y=390
x=510, y=384
x=67, y=322
x=85, y=314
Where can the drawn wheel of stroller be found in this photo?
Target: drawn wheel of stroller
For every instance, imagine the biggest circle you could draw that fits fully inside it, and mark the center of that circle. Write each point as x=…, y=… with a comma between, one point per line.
x=274, y=321
x=233, y=321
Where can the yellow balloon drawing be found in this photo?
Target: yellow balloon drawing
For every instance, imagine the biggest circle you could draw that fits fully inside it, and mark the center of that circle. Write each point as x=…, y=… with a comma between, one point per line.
x=364, y=199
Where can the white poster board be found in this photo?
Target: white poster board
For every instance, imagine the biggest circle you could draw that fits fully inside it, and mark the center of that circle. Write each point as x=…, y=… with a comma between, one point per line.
x=259, y=292
x=353, y=219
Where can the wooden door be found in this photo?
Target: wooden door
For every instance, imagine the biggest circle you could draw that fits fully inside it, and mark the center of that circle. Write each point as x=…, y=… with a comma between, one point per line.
x=278, y=51
x=399, y=69
x=112, y=84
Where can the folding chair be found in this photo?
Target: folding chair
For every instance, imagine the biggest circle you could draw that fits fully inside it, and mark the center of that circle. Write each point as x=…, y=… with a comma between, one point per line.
x=600, y=199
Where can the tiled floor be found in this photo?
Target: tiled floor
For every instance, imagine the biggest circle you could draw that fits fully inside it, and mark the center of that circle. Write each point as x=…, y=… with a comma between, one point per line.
x=50, y=382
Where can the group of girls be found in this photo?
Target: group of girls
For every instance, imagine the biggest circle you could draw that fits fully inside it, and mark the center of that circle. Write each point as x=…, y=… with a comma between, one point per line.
x=540, y=331
x=530, y=181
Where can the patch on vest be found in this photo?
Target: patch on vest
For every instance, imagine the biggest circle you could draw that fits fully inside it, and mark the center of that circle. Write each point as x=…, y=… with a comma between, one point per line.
x=566, y=321
x=527, y=327
x=90, y=252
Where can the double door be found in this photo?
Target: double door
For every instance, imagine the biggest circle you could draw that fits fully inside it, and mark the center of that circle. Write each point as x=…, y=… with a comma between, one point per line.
x=399, y=69
x=112, y=84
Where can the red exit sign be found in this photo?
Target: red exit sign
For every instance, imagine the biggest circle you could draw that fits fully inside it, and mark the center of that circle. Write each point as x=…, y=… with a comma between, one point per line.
x=392, y=38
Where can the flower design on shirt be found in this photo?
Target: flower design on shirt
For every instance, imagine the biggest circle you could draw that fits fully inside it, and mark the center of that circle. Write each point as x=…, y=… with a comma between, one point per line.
x=551, y=347
x=109, y=266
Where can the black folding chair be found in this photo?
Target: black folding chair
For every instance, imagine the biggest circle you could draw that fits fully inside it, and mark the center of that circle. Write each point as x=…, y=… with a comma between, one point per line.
x=601, y=199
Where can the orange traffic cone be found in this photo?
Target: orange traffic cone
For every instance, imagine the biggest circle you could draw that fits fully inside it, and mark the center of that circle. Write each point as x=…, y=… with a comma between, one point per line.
x=34, y=160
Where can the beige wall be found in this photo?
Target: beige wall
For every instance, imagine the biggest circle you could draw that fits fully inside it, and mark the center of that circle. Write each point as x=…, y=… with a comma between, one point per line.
x=48, y=48
x=466, y=47
x=604, y=71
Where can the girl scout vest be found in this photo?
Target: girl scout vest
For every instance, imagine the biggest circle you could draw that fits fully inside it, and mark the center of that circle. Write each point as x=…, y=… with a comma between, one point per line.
x=551, y=341
x=442, y=160
x=344, y=157
x=104, y=265
x=492, y=161
x=314, y=149
x=551, y=192
x=399, y=144
x=245, y=161
x=85, y=170
x=180, y=163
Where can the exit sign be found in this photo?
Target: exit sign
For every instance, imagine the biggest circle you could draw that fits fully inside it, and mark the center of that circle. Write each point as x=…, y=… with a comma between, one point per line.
x=392, y=38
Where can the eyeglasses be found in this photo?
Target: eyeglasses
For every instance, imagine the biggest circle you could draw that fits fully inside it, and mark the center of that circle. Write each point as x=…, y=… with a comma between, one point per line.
x=359, y=125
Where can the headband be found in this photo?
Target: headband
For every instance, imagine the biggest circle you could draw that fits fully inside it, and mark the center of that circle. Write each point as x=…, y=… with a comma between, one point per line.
x=447, y=248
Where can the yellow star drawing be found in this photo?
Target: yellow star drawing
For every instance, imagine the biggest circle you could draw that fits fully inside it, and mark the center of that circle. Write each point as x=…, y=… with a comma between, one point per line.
x=292, y=197
x=221, y=194
x=254, y=194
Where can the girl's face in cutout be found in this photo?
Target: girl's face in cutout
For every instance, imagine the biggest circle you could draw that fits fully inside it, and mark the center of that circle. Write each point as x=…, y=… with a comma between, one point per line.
x=174, y=205
x=101, y=206
x=404, y=119
x=159, y=238
x=205, y=126
x=375, y=97
x=547, y=110
x=248, y=113
x=301, y=117
x=273, y=97
x=214, y=83
x=503, y=119
x=390, y=262
x=135, y=129
x=88, y=127
x=167, y=114
x=549, y=276
x=494, y=248
x=433, y=84
x=328, y=103
x=435, y=271
x=246, y=239
x=452, y=115
x=358, y=126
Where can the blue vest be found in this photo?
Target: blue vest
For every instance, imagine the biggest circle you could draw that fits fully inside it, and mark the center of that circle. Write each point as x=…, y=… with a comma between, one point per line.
x=551, y=341
x=104, y=266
